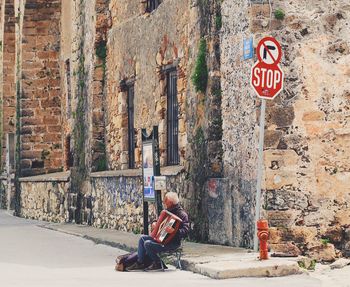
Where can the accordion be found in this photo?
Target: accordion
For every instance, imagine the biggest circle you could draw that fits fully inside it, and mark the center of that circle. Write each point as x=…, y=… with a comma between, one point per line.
x=165, y=219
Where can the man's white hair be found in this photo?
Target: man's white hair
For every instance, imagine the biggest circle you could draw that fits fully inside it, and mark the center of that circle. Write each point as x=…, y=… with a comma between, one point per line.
x=172, y=196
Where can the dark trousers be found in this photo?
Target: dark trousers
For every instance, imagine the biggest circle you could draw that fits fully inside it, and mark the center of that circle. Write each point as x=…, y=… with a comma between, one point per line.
x=149, y=247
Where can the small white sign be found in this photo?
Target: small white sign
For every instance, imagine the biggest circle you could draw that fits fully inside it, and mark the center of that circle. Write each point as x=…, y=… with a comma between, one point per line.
x=160, y=182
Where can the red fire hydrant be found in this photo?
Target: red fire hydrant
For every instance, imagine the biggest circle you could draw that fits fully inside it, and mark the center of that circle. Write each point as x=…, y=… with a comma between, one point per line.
x=263, y=235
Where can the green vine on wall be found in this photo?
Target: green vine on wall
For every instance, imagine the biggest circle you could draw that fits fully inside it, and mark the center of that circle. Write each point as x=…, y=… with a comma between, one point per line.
x=79, y=127
x=218, y=20
x=200, y=74
x=101, y=52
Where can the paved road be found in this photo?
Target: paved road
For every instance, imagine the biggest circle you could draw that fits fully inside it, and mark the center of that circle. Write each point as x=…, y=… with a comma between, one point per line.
x=34, y=256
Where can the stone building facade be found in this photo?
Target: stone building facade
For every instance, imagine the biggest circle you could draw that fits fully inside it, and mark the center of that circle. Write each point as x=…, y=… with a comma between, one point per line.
x=81, y=79
x=306, y=135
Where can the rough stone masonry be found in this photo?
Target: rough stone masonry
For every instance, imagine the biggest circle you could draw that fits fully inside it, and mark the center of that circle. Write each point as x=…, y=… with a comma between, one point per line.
x=80, y=79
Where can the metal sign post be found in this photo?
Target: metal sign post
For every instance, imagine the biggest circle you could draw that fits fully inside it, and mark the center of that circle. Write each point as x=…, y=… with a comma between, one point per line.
x=8, y=172
x=267, y=81
x=156, y=169
x=260, y=171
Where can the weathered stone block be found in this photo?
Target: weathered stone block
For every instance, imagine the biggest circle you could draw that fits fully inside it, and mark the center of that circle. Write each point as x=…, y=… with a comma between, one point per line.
x=287, y=249
x=322, y=252
x=272, y=138
x=282, y=218
x=281, y=116
x=335, y=234
x=313, y=116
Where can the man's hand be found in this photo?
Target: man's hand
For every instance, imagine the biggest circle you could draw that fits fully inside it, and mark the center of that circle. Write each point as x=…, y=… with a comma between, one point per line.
x=169, y=229
x=153, y=225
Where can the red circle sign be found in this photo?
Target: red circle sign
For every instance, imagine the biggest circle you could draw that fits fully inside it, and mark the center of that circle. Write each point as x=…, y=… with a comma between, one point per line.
x=266, y=75
x=269, y=51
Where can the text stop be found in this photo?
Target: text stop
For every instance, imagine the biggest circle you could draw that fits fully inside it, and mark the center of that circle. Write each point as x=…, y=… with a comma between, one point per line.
x=266, y=78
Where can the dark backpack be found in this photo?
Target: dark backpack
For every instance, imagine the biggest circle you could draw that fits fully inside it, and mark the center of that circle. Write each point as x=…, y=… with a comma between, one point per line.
x=126, y=260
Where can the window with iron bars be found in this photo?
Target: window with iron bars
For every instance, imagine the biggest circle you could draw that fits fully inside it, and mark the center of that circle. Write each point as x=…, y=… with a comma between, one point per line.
x=131, y=128
x=172, y=119
x=69, y=93
x=152, y=5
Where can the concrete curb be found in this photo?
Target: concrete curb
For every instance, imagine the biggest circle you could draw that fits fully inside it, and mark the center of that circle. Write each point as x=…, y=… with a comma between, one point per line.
x=93, y=239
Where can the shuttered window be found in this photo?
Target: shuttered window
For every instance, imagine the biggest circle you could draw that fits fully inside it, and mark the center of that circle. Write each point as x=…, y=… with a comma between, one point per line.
x=131, y=128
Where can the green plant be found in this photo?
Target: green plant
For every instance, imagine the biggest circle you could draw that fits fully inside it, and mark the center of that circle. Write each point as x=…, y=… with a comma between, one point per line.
x=200, y=75
x=217, y=92
x=79, y=116
x=279, y=14
x=101, y=50
x=325, y=241
x=44, y=154
x=203, y=3
x=312, y=265
x=218, y=21
x=199, y=137
x=306, y=264
x=136, y=230
x=101, y=164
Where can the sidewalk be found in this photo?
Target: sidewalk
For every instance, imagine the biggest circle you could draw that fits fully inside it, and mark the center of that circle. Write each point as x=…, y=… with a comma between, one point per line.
x=215, y=261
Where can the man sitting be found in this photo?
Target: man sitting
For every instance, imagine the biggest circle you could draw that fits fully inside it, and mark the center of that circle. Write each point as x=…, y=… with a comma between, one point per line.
x=149, y=247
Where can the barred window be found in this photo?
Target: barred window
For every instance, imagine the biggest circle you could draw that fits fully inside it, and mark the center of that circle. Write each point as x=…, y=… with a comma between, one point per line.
x=152, y=5
x=69, y=93
x=172, y=119
x=131, y=128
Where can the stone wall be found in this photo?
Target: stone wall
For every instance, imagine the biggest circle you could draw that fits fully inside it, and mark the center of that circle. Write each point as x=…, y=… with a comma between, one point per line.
x=239, y=112
x=41, y=128
x=139, y=47
x=117, y=200
x=118, y=203
x=3, y=193
x=98, y=90
x=306, y=142
x=74, y=59
x=8, y=103
x=2, y=22
x=46, y=198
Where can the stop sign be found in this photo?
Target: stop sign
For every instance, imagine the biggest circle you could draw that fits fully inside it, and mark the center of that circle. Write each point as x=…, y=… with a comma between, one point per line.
x=267, y=80
x=266, y=75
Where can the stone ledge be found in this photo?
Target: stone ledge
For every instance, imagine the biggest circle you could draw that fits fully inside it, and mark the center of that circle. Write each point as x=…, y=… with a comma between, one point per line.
x=57, y=176
x=117, y=173
x=171, y=170
x=166, y=170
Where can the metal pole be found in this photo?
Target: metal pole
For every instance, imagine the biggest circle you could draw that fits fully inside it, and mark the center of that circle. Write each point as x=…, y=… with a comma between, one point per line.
x=8, y=172
x=145, y=203
x=260, y=172
x=156, y=168
x=145, y=217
